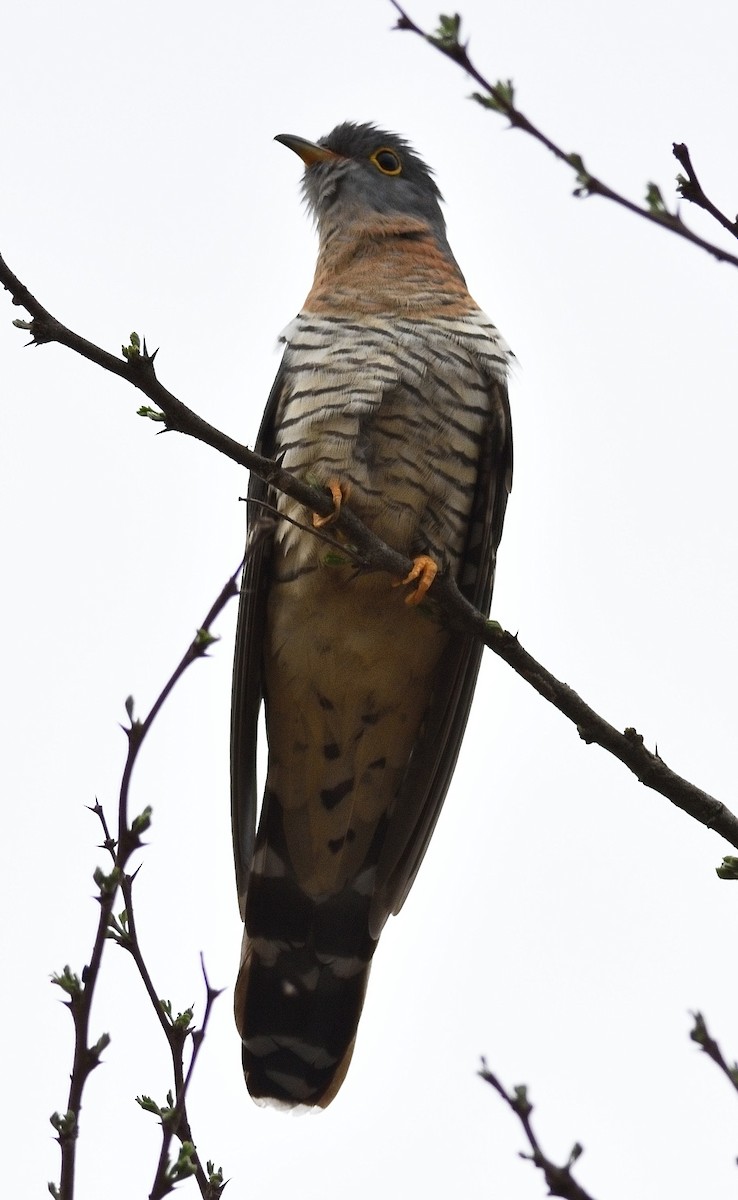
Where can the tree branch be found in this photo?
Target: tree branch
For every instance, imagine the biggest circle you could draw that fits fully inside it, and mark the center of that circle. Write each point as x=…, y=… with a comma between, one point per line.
x=174, y=1120
x=500, y=96
x=559, y=1180
x=372, y=554
x=691, y=189
x=81, y=990
x=699, y=1034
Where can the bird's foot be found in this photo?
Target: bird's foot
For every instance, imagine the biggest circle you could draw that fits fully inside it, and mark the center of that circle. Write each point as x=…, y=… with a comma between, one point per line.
x=339, y=492
x=424, y=569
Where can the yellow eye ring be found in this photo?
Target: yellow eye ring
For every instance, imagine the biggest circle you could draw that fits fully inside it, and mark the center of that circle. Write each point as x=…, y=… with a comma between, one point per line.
x=386, y=161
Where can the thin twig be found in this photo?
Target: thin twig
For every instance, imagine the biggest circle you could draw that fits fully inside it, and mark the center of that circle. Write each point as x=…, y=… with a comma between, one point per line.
x=340, y=548
x=627, y=746
x=138, y=370
x=376, y=555
x=174, y=1119
x=559, y=1180
x=176, y=1030
x=500, y=97
x=699, y=1034
x=691, y=189
x=81, y=990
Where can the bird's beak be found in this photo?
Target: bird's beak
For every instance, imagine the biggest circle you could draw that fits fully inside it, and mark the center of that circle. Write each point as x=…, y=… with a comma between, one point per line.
x=309, y=152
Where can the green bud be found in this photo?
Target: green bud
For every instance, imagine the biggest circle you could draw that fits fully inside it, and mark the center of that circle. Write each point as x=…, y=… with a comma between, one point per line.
x=447, y=34
x=183, y=1020
x=655, y=201
x=101, y=1044
x=106, y=883
x=215, y=1175
x=185, y=1164
x=501, y=99
x=148, y=1105
x=522, y=1105
x=204, y=638
x=133, y=350
x=153, y=414
x=64, y=1124
x=142, y=822
x=728, y=868
x=68, y=981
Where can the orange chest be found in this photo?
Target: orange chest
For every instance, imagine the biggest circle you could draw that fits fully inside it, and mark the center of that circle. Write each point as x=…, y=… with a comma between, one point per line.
x=400, y=271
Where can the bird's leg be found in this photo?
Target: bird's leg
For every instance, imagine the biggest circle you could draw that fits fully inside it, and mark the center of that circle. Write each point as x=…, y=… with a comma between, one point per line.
x=424, y=569
x=339, y=492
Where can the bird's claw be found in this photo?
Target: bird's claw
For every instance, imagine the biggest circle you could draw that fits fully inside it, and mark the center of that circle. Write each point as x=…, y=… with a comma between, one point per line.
x=424, y=569
x=339, y=492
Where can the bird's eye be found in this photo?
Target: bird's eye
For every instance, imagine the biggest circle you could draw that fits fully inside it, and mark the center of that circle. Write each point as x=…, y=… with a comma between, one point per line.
x=386, y=161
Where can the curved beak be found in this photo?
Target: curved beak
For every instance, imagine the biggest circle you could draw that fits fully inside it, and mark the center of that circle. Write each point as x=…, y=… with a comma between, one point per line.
x=309, y=152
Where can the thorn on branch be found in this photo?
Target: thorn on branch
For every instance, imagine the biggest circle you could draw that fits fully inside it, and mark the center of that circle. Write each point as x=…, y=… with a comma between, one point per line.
x=700, y=1034
x=109, y=842
x=403, y=21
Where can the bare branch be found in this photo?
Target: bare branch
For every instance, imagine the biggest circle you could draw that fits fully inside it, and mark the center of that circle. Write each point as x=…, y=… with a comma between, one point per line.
x=177, y=1030
x=627, y=746
x=500, y=96
x=559, y=1180
x=80, y=990
x=174, y=1119
x=701, y=1036
x=691, y=189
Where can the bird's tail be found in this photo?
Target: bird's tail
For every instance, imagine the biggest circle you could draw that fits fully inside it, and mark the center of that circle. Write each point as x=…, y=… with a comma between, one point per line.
x=300, y=992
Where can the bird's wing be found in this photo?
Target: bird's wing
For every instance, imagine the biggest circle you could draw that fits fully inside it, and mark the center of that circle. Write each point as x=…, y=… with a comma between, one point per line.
x=248, y=685
x=422, y=792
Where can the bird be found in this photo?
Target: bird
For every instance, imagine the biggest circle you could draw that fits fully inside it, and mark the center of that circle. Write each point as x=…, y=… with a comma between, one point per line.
x=392, y=396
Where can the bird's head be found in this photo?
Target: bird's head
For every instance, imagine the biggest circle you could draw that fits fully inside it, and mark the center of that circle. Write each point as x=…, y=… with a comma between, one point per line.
x=359, y=170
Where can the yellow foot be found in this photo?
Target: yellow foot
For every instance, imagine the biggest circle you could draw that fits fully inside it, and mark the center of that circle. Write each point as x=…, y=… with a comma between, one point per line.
x=339, y=492
x=424, y=570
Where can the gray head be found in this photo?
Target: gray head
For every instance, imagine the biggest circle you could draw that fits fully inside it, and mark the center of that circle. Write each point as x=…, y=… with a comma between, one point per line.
x=358, y=169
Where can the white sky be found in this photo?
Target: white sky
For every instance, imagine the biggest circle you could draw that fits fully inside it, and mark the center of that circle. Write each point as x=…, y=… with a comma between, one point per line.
x=565, y=920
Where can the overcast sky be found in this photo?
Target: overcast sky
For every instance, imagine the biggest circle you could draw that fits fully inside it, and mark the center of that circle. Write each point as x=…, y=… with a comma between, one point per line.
x=566, y=919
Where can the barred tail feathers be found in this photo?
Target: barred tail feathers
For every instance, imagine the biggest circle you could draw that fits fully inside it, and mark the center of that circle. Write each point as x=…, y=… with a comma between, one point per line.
x=300, y=990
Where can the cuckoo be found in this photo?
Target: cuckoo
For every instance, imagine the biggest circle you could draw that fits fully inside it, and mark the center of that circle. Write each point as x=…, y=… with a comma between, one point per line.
x=392, y=396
